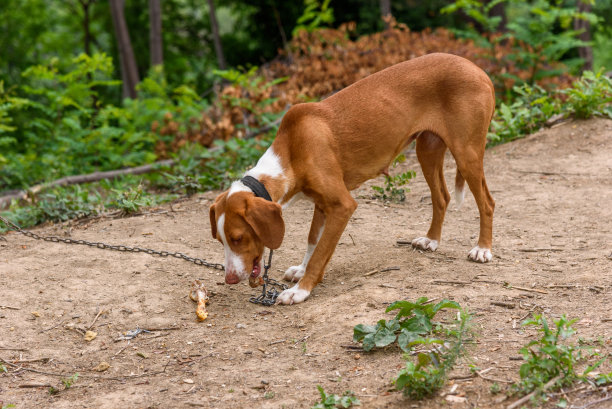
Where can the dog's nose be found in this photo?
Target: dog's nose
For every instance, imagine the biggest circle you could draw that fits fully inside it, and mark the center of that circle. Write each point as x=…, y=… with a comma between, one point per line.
x=231, y=278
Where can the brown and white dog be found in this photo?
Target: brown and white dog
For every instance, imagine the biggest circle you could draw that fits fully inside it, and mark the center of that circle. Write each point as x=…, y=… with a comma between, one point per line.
x=324, y=150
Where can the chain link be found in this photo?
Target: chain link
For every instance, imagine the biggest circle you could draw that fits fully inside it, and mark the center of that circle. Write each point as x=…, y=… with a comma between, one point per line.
x=55, y=239
x=271, y=288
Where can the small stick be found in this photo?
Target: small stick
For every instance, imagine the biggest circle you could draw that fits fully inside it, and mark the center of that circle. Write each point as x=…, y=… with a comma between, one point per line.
x=451, y=282
x=481, y=374
x=95, y=319
x=403, y=243
x=13, y=349
x=277, y=342
x=538, y=250
x=8, y=307
x=122, y=349
x=531, y=290
x=55, y=326
x=602, y=320
x=503, y=304
x=529, y=396
x=380, y=271
x=563, y=286
x=34, y=385
x=596, y=402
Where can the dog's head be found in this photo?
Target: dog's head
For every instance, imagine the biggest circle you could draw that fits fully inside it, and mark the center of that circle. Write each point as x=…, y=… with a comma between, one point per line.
x=245, y=224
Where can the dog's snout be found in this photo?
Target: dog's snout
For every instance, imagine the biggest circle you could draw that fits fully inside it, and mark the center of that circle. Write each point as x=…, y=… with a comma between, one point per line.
x=231, y=278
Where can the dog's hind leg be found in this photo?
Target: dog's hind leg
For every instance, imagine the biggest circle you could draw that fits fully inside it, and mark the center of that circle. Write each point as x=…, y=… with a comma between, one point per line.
x=294, y=273
x=430, y=150
x=470, y=164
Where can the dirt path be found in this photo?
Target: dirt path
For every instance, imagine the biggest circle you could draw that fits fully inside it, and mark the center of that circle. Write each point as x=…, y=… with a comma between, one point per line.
x=553, y=224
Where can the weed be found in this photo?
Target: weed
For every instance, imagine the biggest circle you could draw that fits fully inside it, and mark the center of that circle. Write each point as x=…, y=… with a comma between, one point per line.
x=331, y=401
x=67, y=382
x=590, y=95
x=3, y=368
x=269, y=395
x=412, y=327
x=392, y=191
x=130, y=201
x=10, y=405
x=429, y=373
x=549, y=357
x=409, y=327
x=495, y=388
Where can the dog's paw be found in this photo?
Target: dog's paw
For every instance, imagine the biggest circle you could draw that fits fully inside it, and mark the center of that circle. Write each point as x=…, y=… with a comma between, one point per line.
x=293, y=295
x=481, y=255
x=294, y=273
x=424, y=243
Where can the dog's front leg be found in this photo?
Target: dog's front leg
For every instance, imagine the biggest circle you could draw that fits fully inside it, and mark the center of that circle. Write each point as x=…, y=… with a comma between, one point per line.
x=337, y=214
x=295, y=273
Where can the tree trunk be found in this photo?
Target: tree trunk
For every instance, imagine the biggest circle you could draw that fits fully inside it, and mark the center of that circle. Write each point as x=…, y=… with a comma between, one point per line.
x=86, y=29
x=499, y=10
x=129, y=70
x=585, y=52
x=155, y=32
x=385, y=11
x=216, y=38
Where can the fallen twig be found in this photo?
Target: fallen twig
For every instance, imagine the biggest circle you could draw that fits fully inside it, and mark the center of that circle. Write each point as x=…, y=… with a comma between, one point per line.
x=34, y=385
x=380, y=271
x=607, y=398
x=530, y=395
x=451, y=282
x=481, y=374
x=539, y=249
x=62, y=375
x=8, y=307
x=13, y=349
x=95, y=319
x=503, y=304
x=531, y=290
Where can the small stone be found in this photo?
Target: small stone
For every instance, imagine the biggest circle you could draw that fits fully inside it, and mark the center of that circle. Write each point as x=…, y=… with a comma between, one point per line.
x=102, y=366
x=455, y=399
x=240, y=326
x=189, y=381
x=36, y=314
x=90, y=336
x=357, y=356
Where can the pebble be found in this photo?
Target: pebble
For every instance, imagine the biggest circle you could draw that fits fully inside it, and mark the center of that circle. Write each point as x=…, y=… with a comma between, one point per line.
x=240, y=326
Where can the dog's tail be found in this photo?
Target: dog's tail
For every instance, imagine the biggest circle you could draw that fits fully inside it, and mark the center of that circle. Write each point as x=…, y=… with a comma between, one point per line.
x=459, y=189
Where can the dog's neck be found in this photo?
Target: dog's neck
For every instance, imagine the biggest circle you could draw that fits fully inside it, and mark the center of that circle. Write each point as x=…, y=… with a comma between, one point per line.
x=271, y=174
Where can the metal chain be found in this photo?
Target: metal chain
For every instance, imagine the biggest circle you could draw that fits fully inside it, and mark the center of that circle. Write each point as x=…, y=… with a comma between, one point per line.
x=268, y=297
x=270, y=291
x=122, y=248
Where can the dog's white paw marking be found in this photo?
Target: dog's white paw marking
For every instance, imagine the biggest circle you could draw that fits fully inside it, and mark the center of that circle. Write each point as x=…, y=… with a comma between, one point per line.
x=293, y=295
x=294, y=273
x=424, y=243
x=480, y=254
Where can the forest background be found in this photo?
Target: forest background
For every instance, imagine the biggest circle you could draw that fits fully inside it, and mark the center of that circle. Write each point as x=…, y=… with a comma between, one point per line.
x=181, y=95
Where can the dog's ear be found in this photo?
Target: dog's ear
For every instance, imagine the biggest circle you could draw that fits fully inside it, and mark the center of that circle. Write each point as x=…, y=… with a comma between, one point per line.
x=266, y=218
x=213, y=221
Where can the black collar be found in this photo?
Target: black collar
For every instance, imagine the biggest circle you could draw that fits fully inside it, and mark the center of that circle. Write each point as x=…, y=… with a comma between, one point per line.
x=257, y=187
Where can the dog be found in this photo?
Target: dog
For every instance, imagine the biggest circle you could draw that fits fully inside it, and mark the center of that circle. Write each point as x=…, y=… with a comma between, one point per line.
x=325, y=149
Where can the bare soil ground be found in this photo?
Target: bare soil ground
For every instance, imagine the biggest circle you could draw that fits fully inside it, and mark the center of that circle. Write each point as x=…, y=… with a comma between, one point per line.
x=552, y=235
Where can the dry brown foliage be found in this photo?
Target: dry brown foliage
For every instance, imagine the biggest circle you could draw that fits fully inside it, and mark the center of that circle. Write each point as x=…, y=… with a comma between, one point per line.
x=322, y=62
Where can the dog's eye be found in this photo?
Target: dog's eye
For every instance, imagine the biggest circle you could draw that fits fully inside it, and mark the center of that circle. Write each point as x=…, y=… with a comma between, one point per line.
x=236, y=240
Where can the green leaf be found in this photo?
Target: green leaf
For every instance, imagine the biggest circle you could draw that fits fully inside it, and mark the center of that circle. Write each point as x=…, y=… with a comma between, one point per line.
x=384, y=337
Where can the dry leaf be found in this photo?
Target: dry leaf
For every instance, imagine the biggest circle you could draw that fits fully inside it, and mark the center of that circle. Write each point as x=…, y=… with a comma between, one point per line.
x=102, y=366
x=90, y=336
